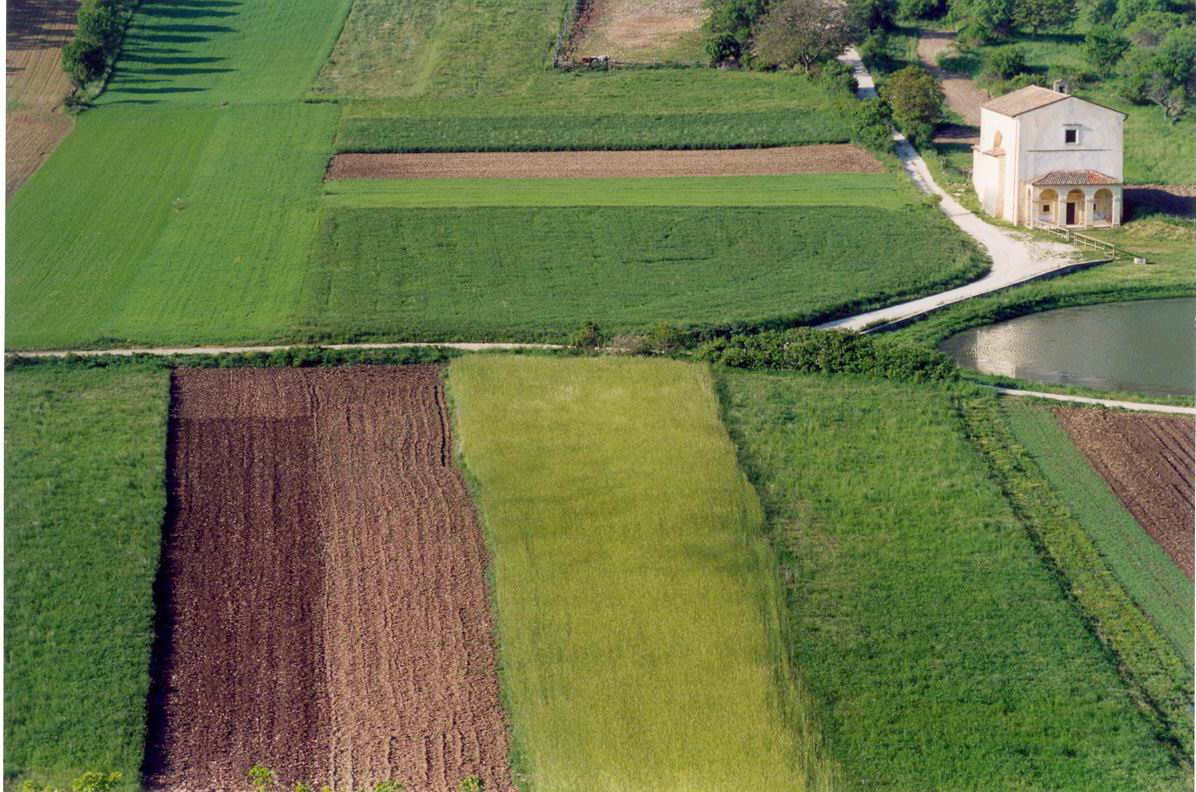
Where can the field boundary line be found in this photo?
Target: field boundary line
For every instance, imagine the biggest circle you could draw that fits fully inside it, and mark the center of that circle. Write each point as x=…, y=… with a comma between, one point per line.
x=465, y=346
x=1125, y=405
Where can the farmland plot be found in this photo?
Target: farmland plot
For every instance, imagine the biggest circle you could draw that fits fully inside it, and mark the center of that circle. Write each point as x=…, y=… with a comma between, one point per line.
x=637, y=607
x=635, y=31
x=945, y=652
x=1148, y=461
x=35, y=84
x=323, y=606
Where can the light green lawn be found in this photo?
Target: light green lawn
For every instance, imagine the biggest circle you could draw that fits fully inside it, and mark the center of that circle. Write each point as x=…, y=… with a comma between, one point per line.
x=639, y=622
x=1148, y=574
x=85, y=496
x=879, y=190
x=944, y=652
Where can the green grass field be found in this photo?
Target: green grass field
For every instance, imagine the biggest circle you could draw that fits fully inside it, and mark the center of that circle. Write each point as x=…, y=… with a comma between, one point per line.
x=875, y=190
x=1143, y=568
x=456, y=75
x=638, y=610
x=538, y=273
x=944, y=653
x=85, y=485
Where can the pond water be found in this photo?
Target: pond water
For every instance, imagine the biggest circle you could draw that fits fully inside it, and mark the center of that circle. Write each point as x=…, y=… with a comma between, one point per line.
x=1146, y=346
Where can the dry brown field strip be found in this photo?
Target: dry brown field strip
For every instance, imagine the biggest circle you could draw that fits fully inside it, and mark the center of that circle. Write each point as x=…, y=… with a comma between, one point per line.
x=831, y=158
x=36, y=33
x=1147, y=460
x=636, y=30
x=322, y=601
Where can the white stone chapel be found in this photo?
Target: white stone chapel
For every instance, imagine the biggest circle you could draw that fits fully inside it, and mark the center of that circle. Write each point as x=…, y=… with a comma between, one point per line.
x=1046, y=157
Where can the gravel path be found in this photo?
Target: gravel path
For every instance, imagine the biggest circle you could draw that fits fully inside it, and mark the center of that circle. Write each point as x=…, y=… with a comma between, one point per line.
x=1016, y=257
x=832, y=158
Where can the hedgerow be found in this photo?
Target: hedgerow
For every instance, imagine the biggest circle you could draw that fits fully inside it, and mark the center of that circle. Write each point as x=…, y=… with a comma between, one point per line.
x=818, y=351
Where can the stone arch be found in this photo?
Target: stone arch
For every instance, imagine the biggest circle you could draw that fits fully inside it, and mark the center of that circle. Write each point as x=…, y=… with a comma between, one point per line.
x=1046, y=208
x=1102, y=206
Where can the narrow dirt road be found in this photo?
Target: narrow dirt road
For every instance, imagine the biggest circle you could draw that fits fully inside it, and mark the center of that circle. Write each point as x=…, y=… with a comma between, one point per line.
x=963, y=97
x=323, y=606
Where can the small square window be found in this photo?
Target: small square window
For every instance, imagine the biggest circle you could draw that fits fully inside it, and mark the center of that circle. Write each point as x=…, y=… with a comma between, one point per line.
x=1071, y=135
x=1046, y=208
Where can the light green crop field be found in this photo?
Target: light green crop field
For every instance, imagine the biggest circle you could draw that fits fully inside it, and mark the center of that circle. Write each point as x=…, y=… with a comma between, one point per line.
x=84, y=480
x=412, y=64
x=538, y=273
x=878, y=190
x=1148, y=574
x=639, y=621
x=943, y=650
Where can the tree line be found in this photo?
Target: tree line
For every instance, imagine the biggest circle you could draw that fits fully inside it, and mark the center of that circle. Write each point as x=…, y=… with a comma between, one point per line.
x=99, y=28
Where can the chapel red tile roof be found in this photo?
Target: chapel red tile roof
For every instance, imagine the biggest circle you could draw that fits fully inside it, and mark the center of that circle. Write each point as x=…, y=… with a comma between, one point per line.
x=1070, y=177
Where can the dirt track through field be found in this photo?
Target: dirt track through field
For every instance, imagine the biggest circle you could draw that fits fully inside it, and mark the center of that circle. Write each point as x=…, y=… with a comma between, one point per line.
x=35, y=84
x=832, y=158
x=323, y=607
x=962, y=95
x=1148, y=461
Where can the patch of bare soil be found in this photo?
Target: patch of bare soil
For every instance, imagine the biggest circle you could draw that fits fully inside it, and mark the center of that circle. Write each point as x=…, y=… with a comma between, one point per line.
x=963, y=97
x=636, y=31
x=835, y=158
x=35, y=84
x=1148, y=461
x=322, y=599
x=1175, y=199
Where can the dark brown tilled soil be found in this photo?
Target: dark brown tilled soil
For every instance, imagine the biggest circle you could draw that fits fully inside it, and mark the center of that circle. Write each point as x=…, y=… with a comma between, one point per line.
x=323, y=599
x=1147, y=460
x=830, y=158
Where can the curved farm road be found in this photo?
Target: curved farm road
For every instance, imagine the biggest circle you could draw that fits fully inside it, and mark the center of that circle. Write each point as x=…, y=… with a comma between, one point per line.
x=1016, y=257
x=963, y=97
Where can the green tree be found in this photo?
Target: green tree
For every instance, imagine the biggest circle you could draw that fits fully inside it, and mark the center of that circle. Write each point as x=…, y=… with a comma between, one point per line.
x=1130, y=10
x=983, y=21
x=1151, y=27
x=872, y=124
x=729, y=29
x=83, y=61
x=916, y=101
x=1043, y=14
x=100, y=24
x=1005, y=63
x=803, y=33
x=1165, y=75
x=1104, y=47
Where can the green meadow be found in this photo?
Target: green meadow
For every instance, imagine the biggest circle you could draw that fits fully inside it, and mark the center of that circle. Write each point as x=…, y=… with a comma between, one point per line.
x=503, y=273
x=1143, y=568
x=943, y=651
x=638, y=608
x=85, y=457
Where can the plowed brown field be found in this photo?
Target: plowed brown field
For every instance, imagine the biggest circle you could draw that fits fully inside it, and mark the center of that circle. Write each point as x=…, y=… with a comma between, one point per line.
x=1148, y=462
x=831, y=158
x=323, y=607
x=37, y=30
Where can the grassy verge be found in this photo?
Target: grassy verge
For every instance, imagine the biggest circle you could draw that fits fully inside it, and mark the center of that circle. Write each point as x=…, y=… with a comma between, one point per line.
x=877, y=190
x=638, y=609
x=943, y=649
x=1147, y=661
x=85, y=485
x=537, y=273
x=1149, y=576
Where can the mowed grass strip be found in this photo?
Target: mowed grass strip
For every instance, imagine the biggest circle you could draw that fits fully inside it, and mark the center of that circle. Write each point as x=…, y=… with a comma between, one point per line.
x=638, y=609
x=1148, y=574
x=224, y=51
x=85, y=499
x=878, y=190
x=201, y=230
x=945, y=653
x=536, y=273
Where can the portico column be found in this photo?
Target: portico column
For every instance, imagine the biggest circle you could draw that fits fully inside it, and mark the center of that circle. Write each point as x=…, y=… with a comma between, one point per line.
x=1089, y=208
x=1117, y=208
x=1060, y=209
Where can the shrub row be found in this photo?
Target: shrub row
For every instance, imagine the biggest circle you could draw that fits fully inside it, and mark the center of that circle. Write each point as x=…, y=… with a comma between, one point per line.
x=99, y=28
x=828, y=352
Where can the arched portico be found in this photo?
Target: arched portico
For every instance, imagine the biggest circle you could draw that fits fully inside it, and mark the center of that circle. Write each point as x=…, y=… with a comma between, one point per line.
x=1046, y=206
x=1102, y=207
x=1074, y=205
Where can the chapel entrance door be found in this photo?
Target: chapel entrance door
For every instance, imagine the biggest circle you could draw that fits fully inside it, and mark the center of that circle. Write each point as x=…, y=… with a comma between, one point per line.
x=1071, y=213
